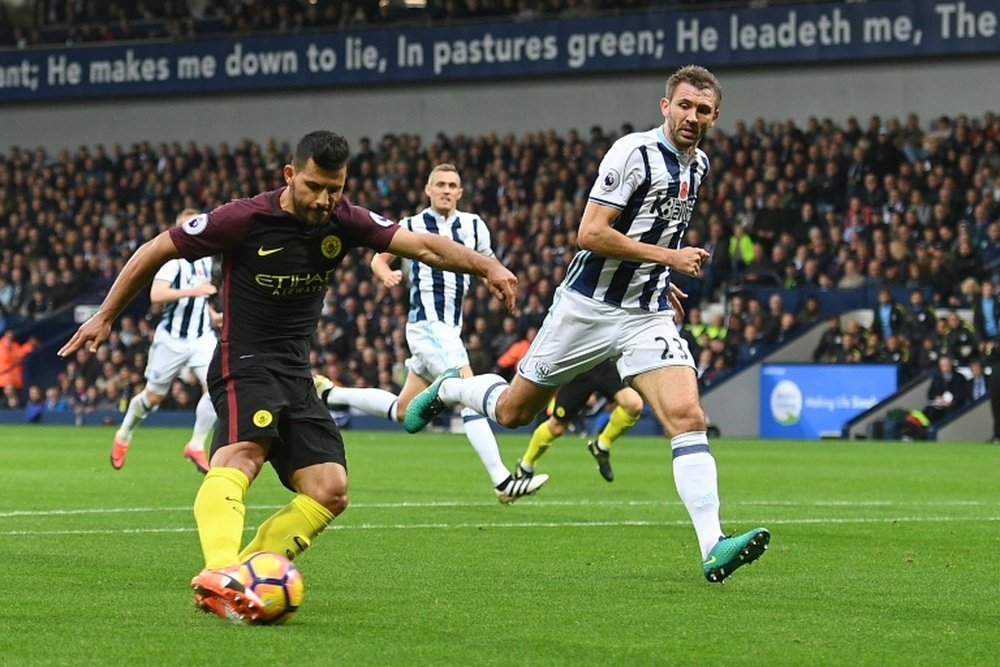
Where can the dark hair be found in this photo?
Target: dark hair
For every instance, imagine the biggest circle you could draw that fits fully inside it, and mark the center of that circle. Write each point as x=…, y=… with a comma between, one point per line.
x=328, y=150
x=697, y=76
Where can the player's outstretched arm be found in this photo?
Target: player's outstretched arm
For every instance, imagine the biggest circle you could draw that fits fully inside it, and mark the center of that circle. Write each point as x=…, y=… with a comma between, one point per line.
x=161, y=291
x=136, y=274
x=443, y=253
x=599, y=236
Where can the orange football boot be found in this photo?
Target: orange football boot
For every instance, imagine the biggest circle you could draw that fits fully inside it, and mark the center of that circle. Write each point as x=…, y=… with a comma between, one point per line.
x=222, y=593
x=119, y=448
x=197, y=457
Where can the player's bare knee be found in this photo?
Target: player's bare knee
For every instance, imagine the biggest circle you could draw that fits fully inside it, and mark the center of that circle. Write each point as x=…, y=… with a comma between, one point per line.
x=556, y=428
x=690, y=421
x=153, y=399
x=337, y=503
x=242, y=456
x=684, y=419
x=246, y=466
x=333, y=497
x=632, y=405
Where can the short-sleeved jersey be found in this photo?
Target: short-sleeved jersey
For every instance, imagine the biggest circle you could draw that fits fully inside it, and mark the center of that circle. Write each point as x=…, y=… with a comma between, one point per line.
x=437, y=295
x=655, y=187
x=187, y=317
x=275, y=272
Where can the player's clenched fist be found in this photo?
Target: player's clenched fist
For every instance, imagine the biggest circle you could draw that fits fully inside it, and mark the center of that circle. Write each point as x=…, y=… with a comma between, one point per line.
x=503, y=284
x=688, y=260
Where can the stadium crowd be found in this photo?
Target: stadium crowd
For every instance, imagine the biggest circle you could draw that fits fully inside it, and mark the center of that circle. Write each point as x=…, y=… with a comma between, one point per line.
x=889, y=203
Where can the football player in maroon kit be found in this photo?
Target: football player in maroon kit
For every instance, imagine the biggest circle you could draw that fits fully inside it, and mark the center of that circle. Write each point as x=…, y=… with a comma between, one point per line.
x=279, y=251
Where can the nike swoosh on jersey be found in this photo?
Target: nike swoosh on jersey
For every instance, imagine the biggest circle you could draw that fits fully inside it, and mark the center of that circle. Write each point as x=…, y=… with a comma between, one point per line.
x=268, y=251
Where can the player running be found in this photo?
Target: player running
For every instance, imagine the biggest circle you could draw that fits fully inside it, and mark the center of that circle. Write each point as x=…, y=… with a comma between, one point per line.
x=434, y=328
x=616, y=303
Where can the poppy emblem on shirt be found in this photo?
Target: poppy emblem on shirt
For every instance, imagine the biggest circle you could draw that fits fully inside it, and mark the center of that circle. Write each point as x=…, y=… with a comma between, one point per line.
x=684, y=190
x=330, y=247
x=196, y=225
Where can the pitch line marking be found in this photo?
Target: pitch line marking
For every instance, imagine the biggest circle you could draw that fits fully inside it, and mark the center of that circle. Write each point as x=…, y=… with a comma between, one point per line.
x=542, y=503
x=523, y=524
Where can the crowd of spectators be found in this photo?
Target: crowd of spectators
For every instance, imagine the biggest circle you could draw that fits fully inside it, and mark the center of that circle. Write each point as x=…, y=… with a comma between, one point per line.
x=892, y=204
x=68, y=22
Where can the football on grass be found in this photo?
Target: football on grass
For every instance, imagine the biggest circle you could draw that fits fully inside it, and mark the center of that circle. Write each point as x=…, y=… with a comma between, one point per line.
x=276, y=582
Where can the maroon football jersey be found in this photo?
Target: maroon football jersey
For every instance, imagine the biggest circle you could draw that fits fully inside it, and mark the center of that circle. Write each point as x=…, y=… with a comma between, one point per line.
x=275, y=272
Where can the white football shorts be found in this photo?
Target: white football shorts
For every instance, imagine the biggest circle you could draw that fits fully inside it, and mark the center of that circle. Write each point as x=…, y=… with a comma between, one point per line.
x=434, y=348
x=580, y=332
x=169, y=355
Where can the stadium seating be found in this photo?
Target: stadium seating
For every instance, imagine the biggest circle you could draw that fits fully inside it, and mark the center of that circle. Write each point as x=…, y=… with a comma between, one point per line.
x=92, y=206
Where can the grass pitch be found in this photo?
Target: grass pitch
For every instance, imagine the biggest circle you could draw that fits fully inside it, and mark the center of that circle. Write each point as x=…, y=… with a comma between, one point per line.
x=882, y=554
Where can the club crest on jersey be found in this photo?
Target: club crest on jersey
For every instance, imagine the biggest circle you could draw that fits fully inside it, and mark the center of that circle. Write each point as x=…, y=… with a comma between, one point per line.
x=330, y=247
x=610, y=180
x=196, y=225
x=262, y=418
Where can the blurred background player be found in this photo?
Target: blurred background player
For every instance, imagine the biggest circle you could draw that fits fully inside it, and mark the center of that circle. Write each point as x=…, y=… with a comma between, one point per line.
x=434, y=328
x=185, y=337
x=604, y=380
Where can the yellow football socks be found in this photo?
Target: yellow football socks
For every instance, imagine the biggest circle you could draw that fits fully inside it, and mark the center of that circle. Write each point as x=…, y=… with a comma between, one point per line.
x=219, y=513
x=619, y=422
x=291, y=529
x=540, y=441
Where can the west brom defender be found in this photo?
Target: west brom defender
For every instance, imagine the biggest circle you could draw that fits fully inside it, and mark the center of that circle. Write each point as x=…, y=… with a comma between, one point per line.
x=279, y=250
x=434, y=328
x=615, y=303
x=184, y=337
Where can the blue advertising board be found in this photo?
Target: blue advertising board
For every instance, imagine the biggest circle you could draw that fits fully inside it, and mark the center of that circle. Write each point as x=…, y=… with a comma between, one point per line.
x=814, y=400
x=658, y=40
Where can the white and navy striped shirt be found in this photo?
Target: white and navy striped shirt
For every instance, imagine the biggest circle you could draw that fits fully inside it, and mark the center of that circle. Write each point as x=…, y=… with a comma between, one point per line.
x=437, y=295
x=655, y=187
x=187, y=317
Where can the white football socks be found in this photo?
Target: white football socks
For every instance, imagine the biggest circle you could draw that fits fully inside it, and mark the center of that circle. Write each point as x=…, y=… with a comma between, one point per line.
x=138, y=408
x=479, y=392
x=204, y=421
x=480, y=435
x=696, y=479
x=370, y=400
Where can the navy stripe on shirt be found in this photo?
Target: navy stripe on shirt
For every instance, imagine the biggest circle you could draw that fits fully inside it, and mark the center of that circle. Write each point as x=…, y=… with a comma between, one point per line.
x=437, y=275
x=459, y=281
x=417, y=312
x=627, y=268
